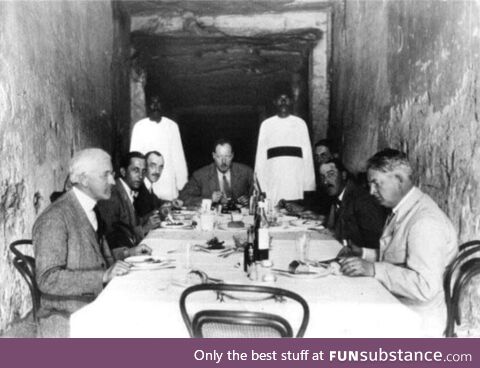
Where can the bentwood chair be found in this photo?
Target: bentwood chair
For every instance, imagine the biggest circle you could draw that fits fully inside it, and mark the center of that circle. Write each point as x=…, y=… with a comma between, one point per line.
x=458, y=274
x=26, y=266
x=235, y=323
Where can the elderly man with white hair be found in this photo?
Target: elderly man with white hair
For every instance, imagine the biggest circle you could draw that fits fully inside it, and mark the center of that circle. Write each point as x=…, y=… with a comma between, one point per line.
x=73, y=260
x=417, y=243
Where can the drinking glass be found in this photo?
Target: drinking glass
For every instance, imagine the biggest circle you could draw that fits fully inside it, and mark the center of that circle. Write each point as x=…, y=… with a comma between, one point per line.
x=302, y=244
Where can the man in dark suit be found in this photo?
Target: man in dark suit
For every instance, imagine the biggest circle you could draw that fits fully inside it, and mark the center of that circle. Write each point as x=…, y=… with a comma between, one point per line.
x=221, y=181
x=146, y=201
x=122, y=225
x=354, y=216
x=72, y=259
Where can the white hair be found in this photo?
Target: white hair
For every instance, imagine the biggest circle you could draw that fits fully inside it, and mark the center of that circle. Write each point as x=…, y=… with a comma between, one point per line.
x=83, y=161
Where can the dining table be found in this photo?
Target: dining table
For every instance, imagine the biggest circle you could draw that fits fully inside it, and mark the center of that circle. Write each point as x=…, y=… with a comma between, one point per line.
x=145, y=302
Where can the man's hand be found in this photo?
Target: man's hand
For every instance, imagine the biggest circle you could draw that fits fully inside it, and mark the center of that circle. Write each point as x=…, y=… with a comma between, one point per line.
x=152, y=222
x=351, y=250
x=243, y=200
x=119, y=268
x=139, y=250
x=355, y=266
x=217, y=196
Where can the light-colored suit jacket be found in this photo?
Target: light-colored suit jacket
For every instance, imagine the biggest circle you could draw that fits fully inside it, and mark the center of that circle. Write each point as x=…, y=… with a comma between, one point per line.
x=70, y=260
x=415, y=248
x=205, y=181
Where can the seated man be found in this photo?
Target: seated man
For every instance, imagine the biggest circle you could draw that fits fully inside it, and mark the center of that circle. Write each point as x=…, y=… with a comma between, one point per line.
x=221, y=181
x=123, y=227
x=354, y=216
x=146, y=202
x=417, y=244
x=73, y=261
x=318, y=201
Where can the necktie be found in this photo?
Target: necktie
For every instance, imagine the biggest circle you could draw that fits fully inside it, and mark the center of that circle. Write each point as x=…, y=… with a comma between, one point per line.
x=100, y=224
x=389, y=219
x=226, y=187
x=333, y=216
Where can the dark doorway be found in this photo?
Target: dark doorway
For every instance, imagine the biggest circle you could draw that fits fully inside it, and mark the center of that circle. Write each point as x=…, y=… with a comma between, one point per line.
x=200, y=131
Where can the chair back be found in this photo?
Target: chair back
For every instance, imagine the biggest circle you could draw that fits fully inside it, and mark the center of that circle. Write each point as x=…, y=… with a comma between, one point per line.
x=26, y=266
x=457, y=275
x=235, y=323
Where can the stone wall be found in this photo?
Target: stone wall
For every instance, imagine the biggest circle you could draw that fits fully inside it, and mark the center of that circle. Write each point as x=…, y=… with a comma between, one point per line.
x=55, y=98
x=406, y=74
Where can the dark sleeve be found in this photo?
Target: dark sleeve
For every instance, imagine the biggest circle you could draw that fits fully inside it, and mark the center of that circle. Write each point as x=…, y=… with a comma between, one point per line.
x=371, y=219
x=118, y=231
x=191, y=194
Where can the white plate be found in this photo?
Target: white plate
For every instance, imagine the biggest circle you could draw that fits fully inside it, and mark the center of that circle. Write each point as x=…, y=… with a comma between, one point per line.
x=319, y=272
x=139, y=259
x=152, y=266
x=206, y=249
x=307, y=223
x=181, y=225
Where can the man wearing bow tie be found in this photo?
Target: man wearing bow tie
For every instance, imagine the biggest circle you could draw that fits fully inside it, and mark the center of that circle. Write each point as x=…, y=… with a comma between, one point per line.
x=417, y=243
x=122, y=225
x=354, y=215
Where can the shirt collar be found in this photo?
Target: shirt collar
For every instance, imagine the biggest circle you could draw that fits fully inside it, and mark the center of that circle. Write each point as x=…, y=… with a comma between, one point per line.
x=148, y=183
x=131, y=194
x=85, y=200
x=403, y=200
x=227, y=173
x=340, y=197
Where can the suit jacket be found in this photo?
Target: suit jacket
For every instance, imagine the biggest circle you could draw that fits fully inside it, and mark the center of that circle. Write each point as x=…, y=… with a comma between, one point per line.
x=146, y=201
x=415, y=248
x=359, y=218
x=204, y=182
x=70, y=259
x=122, y=225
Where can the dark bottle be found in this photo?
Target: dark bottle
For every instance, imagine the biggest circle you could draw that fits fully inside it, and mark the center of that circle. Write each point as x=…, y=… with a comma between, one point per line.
x=248, y=256
x=261, y=242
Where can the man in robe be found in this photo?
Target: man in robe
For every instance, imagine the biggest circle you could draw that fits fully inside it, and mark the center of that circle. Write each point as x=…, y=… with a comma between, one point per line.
x=159, y=133
x=284, y=162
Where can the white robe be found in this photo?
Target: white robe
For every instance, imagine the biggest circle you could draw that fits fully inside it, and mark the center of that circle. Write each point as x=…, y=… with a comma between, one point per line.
x=164, y=137
x=284, y=176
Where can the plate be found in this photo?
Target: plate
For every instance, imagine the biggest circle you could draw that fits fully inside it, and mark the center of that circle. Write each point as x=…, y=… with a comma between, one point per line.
x=201, y=248
x=179, y=225
x=152, y=266
x=321, y=272
x=307, y=223
x=139, y=259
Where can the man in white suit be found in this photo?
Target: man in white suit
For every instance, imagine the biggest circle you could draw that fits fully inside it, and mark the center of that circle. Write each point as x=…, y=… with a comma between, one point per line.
x=417, y=243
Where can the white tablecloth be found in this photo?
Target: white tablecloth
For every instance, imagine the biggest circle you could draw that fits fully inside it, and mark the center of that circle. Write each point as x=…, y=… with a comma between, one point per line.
x=146, y=303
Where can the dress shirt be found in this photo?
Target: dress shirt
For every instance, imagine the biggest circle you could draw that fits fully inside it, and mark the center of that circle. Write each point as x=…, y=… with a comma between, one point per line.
x=340, y=197
x=372, y=254
x=220, y=179
x=148, y=185
x=87, y=204
x=131, y=194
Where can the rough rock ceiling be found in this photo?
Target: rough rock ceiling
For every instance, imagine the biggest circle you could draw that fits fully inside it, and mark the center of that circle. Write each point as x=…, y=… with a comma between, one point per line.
x=198, y=53
x=209, y=7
